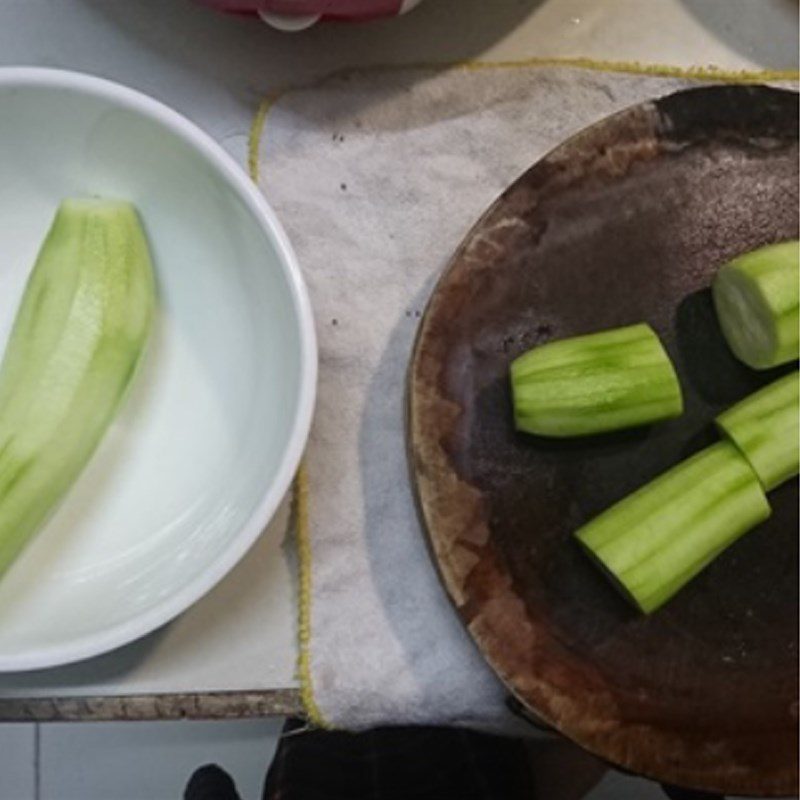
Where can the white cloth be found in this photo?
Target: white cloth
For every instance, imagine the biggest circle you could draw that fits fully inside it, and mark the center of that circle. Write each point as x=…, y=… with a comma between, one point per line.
x=377, y=176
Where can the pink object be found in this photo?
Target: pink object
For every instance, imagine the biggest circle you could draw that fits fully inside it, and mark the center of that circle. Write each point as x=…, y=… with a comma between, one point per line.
x=296, y=14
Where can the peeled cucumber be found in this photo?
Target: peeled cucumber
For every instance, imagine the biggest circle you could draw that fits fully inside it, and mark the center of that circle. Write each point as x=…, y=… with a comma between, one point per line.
x=74, y=347
x=766, y=428
x=756, y=297
x=589, y=384
x=657, y=539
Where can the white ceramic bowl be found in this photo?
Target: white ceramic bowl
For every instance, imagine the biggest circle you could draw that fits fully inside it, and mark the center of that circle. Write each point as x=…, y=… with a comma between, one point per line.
x=207, y=444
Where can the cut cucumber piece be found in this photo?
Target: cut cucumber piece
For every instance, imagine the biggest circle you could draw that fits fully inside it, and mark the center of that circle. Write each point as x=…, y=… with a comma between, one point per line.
x=75, y=344
x=766, y=427
x=589, y=384
x=756, y=297
x=657, y=539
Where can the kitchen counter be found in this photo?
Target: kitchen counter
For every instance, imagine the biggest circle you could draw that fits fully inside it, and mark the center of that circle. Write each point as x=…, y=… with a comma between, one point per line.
x=234, y=652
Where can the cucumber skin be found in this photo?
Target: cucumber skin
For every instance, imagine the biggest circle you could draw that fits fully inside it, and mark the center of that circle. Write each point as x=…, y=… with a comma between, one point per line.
x=657, y=539
x=590, y=384
x=77, y=339
x=766, y=428
x=757, y=300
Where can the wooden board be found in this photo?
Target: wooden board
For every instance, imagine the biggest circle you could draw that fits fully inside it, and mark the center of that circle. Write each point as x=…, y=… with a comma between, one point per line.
x=626, y=222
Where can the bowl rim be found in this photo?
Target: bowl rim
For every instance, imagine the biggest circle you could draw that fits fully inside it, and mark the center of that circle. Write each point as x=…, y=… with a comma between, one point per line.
x=164, y=611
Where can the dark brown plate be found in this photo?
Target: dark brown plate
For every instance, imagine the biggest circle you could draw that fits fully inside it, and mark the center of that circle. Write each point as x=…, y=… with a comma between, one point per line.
x=628, y=221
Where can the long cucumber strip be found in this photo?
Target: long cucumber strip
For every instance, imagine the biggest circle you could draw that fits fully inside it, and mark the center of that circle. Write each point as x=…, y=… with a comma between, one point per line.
x=766, y=427
x=76, y=341
x=756, y=297
x=657, y=539
x=589, y=384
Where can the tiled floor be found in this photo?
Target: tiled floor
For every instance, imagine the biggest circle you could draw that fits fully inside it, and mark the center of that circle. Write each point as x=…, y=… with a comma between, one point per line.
x=616, y=786
x=17, y=762
x=153, y=761
x=130, y=761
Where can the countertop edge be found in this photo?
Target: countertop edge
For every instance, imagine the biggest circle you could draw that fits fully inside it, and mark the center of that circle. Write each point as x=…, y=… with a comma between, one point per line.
x=168, y=706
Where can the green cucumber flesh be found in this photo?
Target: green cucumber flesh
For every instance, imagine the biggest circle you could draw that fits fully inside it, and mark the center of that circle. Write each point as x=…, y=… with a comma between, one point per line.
x=604, y=381
x=658, y=538
x=756, y=297
x=77, y=338
x=766, y=428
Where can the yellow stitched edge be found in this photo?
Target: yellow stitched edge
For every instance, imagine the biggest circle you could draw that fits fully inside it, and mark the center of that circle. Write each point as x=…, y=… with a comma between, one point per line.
x=303, y=533
x=299, y=513
x=698, y=73
x=300, y=486
x=256, y=130
x=636, y=68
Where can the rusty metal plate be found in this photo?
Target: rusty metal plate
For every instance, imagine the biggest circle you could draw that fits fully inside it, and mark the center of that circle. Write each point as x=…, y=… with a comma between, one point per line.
x=626, y=222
